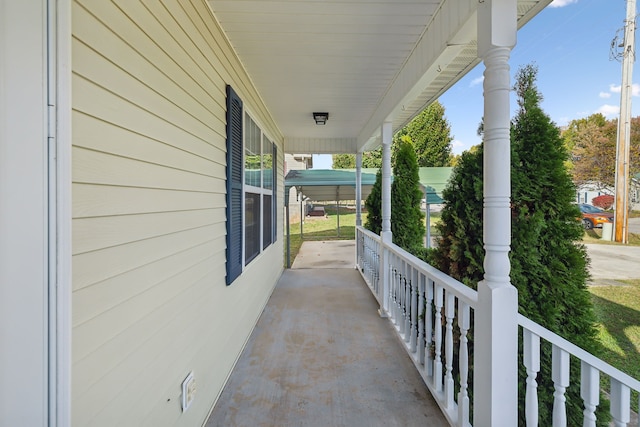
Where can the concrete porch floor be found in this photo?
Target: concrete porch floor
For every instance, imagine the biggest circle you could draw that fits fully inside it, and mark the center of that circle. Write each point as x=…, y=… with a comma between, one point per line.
x=321, y=355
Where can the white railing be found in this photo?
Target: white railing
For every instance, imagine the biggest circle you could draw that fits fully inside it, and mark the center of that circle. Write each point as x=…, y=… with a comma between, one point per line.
x=620, y=384
x=432, y=314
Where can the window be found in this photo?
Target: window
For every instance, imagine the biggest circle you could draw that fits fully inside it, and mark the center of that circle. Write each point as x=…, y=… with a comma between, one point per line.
x=251, y=190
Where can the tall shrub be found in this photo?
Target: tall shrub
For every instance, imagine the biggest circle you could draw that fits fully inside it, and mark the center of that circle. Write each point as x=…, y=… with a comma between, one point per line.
x=548, y=262
x=406, y=217
x=373, y=204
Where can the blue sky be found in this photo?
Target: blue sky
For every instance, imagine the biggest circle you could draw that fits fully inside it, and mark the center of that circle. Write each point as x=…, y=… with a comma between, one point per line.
x=570, y=42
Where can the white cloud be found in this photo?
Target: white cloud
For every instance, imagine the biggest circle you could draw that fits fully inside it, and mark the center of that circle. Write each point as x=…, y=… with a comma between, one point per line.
x=608, y=110
x=562, y=3
x=457, y=146
x=476, y=81
x=605, y=95
x=635, y=89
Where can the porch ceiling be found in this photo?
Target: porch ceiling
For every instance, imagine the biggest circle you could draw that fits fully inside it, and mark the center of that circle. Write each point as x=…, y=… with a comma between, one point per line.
x=362, y=61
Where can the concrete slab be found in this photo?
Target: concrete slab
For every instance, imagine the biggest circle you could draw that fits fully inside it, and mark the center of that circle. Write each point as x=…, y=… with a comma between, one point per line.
x=614, y=261
x=321, y=356
x=326, y=254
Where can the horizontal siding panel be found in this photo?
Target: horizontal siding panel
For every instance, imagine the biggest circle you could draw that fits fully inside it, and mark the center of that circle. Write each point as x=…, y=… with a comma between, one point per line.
x=133, y=350
x=93, y=301
x=242, y=308
x=95, y=101
x=170, y=81
x=105, y=74
x=90, y=234
x=97, y=135
x=103, y=200
x=139, y=30
x=93, y=167
x=124, y=318
x=96, y=266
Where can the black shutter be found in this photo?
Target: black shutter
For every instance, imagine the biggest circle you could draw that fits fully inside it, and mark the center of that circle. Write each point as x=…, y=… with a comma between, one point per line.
x=274, y=198
x=234, y=185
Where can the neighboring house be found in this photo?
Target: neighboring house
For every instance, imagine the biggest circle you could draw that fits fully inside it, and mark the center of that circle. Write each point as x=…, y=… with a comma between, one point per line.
x=296, y=162
x=585, y=193
x=634, y=193
x=141, y=187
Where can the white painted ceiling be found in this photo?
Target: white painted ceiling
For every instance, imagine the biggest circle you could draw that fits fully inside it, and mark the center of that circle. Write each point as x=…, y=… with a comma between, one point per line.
x=362, y=61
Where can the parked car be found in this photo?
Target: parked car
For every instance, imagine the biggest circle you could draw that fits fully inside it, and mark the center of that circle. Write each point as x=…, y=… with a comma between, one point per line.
x=593, y=217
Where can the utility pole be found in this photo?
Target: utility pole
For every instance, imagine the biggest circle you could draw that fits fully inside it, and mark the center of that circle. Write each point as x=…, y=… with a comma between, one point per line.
x=621, y=219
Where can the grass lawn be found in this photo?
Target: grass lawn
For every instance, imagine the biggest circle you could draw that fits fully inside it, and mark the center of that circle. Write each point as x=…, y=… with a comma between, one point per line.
x=324, y=228
x=618, y=311
x=593, y=236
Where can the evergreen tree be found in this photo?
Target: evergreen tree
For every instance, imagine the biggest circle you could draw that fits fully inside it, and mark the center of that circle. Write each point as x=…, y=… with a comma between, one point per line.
x=373, y=204
x=548, y=262
x=407, y=217
x=430, y=133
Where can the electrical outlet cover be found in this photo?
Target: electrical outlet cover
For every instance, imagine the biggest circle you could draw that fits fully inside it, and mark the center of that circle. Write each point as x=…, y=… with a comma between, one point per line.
x=188, y=391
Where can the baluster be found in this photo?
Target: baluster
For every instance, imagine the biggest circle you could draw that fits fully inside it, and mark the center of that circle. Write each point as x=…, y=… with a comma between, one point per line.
x=532, y=364
x=421, y=317
x=589, y=392
x=428, y=325
x=402, y=297
x=407, y=304
x=560, y=375
x=464, y=323
x=437, y=325
x=449, y=312
x=620, y=401
x=392, y=289
x=414, y=310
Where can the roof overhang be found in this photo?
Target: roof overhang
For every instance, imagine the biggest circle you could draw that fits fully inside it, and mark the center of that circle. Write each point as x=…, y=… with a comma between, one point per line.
x=365, y=62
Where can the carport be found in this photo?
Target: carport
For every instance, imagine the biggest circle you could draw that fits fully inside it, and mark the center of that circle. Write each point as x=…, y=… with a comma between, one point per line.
x=326, y=185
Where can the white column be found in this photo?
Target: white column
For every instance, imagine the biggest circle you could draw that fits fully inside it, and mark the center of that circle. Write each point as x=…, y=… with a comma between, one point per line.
x=358, y=189
x=386, y=180
x=385, y=234
x=496, y=337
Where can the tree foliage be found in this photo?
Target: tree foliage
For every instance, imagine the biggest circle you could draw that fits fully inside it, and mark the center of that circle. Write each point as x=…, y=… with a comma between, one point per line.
x=430, y=134
x=373, y=204
x=592, y=142
x=548, y=262
x=406, y=225
x=344, y=161
x=370, y=159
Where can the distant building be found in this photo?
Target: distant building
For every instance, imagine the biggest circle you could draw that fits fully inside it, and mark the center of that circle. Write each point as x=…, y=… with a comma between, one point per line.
x=586, y=192
x=296, y=162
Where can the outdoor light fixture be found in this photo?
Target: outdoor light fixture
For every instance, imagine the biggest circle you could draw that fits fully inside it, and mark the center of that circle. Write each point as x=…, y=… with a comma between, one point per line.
x=321, y=118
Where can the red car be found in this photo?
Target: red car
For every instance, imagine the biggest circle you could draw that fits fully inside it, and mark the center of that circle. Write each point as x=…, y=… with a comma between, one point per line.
x=593, y=217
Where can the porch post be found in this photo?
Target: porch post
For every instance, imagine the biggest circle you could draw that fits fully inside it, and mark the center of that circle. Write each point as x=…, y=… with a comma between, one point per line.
x=358, y=189
x=496, y=337
x=385, y=234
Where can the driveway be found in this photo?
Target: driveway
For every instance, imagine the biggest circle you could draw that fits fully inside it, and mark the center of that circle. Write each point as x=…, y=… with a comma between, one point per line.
x=634, y=225
x=614, y=261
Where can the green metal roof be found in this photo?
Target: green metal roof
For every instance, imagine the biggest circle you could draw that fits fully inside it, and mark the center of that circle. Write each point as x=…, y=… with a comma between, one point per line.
x=339, y=184
x=328, y=184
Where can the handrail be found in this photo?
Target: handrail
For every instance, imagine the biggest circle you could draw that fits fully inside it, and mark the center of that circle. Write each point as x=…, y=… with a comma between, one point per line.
x=428, y=308
x=581, y=354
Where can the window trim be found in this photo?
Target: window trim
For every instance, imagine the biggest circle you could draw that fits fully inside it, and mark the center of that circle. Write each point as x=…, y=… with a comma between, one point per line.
x=236, y=232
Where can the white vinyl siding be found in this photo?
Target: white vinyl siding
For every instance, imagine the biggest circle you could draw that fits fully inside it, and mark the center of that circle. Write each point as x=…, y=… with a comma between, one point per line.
x=150, y=302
